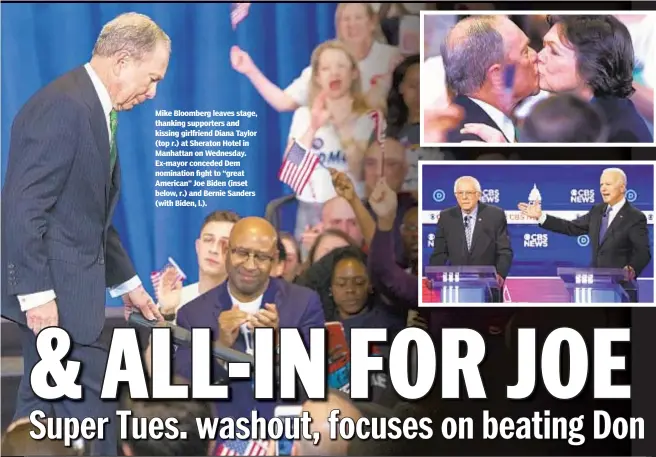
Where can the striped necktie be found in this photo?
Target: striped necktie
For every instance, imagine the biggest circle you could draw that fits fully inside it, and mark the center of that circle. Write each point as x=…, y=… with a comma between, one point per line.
x=113, y=124
x=468, y=232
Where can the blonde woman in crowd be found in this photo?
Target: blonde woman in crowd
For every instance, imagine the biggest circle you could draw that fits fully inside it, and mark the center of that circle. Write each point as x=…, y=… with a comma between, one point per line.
x=358, y=30
x=337, y=126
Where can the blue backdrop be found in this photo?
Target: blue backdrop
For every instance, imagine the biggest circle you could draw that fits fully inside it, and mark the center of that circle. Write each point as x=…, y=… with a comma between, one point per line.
x=568, y=188
x=42, y=41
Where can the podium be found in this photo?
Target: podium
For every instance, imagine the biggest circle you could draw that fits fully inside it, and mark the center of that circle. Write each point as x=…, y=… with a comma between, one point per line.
x=596, y=285
x=463, y=284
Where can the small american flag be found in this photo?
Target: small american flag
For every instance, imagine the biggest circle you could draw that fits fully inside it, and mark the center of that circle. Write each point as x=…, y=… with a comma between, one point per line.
x=379, y=123
x=242, y=447
x=238, y=12
x=297, y=167
x=156, y=276
x=379, y=132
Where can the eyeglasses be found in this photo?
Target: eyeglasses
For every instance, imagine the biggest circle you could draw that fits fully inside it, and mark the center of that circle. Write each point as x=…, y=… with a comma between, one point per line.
x=242, y=255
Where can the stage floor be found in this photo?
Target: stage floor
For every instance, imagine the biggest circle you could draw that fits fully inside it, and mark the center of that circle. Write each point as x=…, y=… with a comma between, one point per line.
x=544, y=290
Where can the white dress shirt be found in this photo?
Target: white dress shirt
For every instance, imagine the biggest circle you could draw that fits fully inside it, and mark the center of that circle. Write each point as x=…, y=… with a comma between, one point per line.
x=501, y=120
x=251, y=308
x=615, y=209
x=30, y=301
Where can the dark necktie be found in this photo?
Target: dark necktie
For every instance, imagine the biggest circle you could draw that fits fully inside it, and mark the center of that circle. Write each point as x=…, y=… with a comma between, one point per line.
x=604, y=224
x=113, y=124
x=468, y=232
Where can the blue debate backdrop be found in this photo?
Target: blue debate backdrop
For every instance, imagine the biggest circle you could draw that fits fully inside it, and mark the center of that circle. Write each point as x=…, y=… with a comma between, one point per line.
x=42, y=41
x=565, y=190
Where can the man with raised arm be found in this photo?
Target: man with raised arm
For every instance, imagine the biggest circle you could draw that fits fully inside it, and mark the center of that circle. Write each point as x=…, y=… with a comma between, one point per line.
x=618, y=231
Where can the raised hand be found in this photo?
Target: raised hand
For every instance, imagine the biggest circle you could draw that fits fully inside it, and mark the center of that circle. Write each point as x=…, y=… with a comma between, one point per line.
x=241, y=61
x=319, y=114
x=343, y=185
x=532, y=210
x=383, y=200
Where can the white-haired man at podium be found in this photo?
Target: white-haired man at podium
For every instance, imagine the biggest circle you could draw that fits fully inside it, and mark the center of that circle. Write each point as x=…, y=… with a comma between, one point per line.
x=473, y=233
x=618, y=231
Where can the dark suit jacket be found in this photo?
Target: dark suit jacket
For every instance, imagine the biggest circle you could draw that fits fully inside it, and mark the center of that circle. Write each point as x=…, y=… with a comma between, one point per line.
x=490, y=240
x=624, y=122
x=473, y=114
x=298, y=307
x=626, y=241
x=57, y=206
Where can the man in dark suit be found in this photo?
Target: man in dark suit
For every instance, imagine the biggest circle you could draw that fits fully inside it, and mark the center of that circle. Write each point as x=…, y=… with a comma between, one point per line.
x=473, y=233
x=483, y=55
x=618, y=231
x=60, y=250
x=249, y=298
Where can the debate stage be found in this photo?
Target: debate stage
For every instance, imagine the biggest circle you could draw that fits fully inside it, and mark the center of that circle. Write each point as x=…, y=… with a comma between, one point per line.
x=545, y=290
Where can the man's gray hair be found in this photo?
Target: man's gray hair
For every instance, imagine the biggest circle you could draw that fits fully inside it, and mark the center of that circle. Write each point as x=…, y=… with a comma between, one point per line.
x=132, y=32
x=471, y=179
x=470, y=48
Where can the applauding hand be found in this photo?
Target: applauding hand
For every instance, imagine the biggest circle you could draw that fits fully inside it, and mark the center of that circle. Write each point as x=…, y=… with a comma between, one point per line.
x=169, y=291
x=229, y=323
x=266, y=317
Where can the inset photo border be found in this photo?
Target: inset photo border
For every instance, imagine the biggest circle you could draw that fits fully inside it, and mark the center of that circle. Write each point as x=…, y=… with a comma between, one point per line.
x=533, y=78
x=526, y=234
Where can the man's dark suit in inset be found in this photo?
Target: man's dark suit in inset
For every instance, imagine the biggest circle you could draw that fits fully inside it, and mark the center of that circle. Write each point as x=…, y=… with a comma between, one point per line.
x=57, y=206
x=625, y=243
x=490, y=241
x=473, y=114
